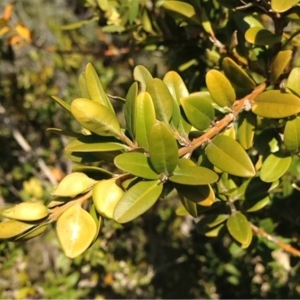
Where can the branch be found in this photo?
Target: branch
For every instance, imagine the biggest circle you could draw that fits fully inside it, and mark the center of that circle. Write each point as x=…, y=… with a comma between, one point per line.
x=238, y=106
x=286, y=247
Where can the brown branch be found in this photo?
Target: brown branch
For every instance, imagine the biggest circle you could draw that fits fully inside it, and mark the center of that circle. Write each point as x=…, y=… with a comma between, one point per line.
x=238, y=106
x=286, y=247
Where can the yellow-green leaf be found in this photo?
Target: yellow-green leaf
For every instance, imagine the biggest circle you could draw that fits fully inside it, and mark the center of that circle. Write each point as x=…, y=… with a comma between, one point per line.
x=276, y=104
x=281, y=6
x=142, y=75
x=12, y=228
x=261, y=37
x=293, y=83
x=76, y=230
x=279, y=63
x=246, y=128
x=291, y=134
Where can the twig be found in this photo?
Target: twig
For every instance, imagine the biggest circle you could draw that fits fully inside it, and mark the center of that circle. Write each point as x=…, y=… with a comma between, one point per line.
x=286, y=247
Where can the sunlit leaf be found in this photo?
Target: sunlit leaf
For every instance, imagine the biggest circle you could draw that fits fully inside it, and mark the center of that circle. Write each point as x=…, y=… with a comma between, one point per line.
x=281, y=6
x=246, y=129
x=279, y=63
x=261, y=37
x=62, y=103
x=142, y=75
x=12, y=228
x=293, y=83
x=291, y=135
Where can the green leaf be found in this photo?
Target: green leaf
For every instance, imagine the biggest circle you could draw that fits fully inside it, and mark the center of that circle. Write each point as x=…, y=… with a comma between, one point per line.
x=86, y=144
x=274, y=166
x=95, y=87
x=95, y=117
x=229, y=156
x=198, y=110
x=130, y=106
x=162, y=99
x=246, y=129
x=279, y=63
x=163, y=149
x=261, y=37
x=281, y=6
x=73, y=184
x=193, y=175
x=76, y=230
x=240, y=229
x=62, y=103
x=144, y=119
x=293, y=84
x=83, y=86
x=254, y=205
x=291, y=135
x=276, y=104
x=220, y=88
x=138, y=199
x=239, y=79
x=190, y=206
x=142, y=75
x=135, y=163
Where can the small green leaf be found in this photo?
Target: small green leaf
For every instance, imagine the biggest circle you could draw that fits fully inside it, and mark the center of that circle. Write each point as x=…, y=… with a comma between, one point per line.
x=291, y=135
x=73, y=184
x=275, y=104
x=162, y=99
x=76, y=230
x=144, y=119
x=95, y=87
x=274, y=166
x=175, y=85
x=293, y=81
x=190, y=206
x=163, y=149
x=198, y=110
x=279, y=63
x=281, y=6
x=246, y=129
x=130, y=106
x=62, y=103
x=138, y=199
x=240, y=229
x=193, y=175
x=229, y=156
x=220, y=88
x=142, y=75
x=254, y=205
x=135, y=163
x=95, y=117
x=261, y=37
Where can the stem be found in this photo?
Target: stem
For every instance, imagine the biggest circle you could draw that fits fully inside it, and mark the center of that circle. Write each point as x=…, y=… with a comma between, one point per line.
x=286, y=247
x=238, y=106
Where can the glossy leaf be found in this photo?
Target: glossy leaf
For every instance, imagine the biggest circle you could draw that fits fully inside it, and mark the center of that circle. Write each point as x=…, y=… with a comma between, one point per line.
x=293, y=81
x=246, y=128
x=274, y=166
x=95, y=87
x=138, y=199
x=261, y=37
x=175, y=85
x=240, y=229
x=240, y=80
x=106, y=195
x=162, y=99
x=281, y=6
x=73, y=184
x=190, y=206
x=76, y=230
x=12, y=228
x=26, y=211
x=254, y=205
x=275, y=104
x=279, y=63
x=163, y=149
x=229, y=156
x=198, y=110
x=135, y=163
x=95, y=117
x=144, y=119
x=130, y=106
x=220, y=88
x=291, y=135
x=32, y=232
x=142, y=75
x=193, y=175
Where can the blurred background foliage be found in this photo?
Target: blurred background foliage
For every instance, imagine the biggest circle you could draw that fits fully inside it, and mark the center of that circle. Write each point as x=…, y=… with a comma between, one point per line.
x=44, y=46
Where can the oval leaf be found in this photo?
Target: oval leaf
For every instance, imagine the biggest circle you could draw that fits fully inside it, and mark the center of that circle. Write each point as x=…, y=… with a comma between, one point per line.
x=279, y=63
x=280, y=6
x=198, y=110
x=240, y=229
x=142, y=75
x=291, y=135
x=76, y=230
x=193, y=175
x=12, y=228
x=274, y=166
x=95, y=117
x=246, y=128
x=135, y=163
x=275, y=104
x=130, y=105
x=163, y=149
x=73, y=184
x=229, y=156
x=293, y=81
x=220, y=88
x=137, y=200
x=261, y=37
